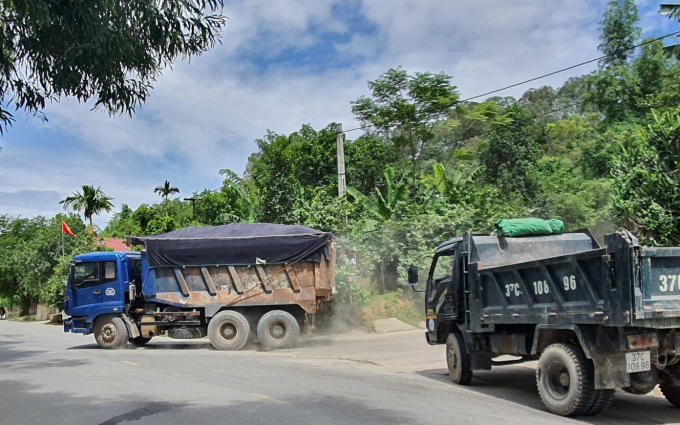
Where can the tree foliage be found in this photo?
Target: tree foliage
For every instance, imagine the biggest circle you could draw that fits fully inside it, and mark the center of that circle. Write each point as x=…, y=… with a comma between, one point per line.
x=109, y=50
x=619, y=31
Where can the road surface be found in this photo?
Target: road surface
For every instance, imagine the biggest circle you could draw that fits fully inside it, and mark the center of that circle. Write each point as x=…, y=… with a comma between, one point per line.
x=48, y=377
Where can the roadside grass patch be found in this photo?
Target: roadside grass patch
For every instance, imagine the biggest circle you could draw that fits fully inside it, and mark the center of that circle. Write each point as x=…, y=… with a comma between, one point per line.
x=393, y=304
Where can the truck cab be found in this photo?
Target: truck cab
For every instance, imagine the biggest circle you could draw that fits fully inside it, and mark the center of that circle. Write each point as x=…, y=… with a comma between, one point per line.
x=98, y=284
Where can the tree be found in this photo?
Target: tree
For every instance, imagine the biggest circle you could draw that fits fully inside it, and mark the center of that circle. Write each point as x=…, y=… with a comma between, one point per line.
x=405, y=108
x=672, y=11
x=509, y=153
x=646, y=189
x=619, y=32
x=91, y=201
x=110, y=50
x=164, y=191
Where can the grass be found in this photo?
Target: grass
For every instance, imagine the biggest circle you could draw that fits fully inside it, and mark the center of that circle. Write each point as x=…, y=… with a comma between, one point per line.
x=393, y=304
x=23, y=319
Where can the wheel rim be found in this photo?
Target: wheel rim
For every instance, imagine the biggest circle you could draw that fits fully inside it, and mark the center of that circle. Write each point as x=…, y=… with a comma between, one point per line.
x=108, y=333
x=558, y=380
x=453, y=360
x=277, y=330
x=228, y=331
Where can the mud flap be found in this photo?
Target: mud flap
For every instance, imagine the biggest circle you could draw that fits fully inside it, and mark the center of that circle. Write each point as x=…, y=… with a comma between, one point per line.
x=480, y=361
x=132, y=328
x=610, y=371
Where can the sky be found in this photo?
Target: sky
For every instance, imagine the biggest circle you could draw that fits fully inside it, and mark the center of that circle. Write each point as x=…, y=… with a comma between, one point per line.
x=282, y=64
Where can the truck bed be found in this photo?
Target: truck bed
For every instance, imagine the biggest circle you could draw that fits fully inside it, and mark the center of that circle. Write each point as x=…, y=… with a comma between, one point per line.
x=619, y=285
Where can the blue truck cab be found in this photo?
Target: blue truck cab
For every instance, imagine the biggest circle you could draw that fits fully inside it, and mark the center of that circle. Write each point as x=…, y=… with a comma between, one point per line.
x=99, y=284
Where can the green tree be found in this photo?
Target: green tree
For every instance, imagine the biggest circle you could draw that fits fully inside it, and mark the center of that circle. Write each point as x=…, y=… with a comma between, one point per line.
x=31, y=249
x=619, y=32
x=90, y=201
x=508, y=154
x=405, y=108
x=304, y=158
x=164, y=191
x=646, y=189
x=109, y=50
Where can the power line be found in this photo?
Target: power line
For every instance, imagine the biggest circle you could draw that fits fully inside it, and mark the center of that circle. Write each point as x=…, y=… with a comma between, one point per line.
x=644, y=43
x=571, y=67
x=552, y=111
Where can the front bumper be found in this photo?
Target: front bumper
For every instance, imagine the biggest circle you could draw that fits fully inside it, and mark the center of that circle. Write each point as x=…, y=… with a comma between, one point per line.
x=77, y=325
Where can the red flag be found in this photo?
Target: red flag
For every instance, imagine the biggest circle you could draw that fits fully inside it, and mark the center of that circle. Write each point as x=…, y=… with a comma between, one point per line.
x=66, y=229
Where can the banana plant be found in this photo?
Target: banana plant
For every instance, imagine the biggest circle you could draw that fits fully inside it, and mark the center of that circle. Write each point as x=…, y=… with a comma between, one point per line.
x=451, y=186
x=384, y=206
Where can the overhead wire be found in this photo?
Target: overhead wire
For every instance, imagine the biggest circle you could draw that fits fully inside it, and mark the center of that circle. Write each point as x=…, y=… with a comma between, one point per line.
x=644, y=43
x=552, y=111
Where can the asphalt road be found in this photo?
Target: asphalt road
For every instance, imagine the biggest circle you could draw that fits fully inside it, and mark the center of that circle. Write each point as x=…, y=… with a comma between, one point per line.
x=48, y=377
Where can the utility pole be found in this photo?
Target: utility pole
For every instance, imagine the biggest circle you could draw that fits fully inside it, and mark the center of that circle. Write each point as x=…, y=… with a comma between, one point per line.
x=193, y=205
x=342, y=183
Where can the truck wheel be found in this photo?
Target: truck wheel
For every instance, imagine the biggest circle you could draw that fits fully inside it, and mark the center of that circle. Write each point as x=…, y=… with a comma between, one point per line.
x=671, y=392
x=602, y=400
x=140, y=341
x=278, y=329
x=228, y=330
x=565, y=380
x=110, y=332
x=458, y=359
x=642, y=383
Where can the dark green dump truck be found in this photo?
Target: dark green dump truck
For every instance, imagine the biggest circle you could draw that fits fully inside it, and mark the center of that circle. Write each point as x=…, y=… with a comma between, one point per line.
x=596, y=318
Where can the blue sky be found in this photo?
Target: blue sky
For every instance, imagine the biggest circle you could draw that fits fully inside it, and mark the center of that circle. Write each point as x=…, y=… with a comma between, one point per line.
x=280, y=65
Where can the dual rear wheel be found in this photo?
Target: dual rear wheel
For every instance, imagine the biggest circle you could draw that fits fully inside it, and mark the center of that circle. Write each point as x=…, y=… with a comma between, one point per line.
x=230, y=330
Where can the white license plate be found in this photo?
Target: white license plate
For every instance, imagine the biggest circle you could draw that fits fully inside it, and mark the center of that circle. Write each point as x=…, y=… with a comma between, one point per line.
x=640, y=361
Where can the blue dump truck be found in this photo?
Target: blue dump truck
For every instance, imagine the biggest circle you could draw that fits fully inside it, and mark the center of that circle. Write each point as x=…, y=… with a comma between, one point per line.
x=225, y=282
x=595, y=318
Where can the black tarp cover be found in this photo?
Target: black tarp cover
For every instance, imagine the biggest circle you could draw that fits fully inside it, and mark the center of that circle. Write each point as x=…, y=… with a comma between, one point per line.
x=234, y=244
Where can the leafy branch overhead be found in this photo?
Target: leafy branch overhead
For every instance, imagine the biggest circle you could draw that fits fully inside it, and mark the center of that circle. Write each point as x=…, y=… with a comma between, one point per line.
x=108, y=50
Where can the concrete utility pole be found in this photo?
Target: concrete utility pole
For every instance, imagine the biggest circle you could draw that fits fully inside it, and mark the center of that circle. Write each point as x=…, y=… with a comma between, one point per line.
x=342, y=183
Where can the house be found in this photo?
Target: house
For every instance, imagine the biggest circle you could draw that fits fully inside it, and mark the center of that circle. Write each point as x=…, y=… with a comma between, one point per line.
x=115, y=244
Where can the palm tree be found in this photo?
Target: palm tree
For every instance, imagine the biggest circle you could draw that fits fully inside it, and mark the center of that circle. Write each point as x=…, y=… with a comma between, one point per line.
x=165, y=191
x=91, y=201
x=672, y=11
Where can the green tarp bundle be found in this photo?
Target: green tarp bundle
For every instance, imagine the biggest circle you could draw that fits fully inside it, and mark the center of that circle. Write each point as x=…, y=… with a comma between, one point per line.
x=528, y=227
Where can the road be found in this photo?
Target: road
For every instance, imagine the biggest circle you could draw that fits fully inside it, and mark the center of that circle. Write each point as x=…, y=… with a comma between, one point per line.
x=48, y=377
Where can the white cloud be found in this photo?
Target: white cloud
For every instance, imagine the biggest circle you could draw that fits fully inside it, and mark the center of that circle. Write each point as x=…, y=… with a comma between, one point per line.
x=206, y=115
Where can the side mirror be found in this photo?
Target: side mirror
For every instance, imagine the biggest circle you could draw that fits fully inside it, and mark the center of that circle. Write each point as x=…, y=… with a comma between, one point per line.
x=412, y=275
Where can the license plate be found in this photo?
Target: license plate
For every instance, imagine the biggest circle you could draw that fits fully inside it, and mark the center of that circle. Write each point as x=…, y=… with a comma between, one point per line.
x=640, y=361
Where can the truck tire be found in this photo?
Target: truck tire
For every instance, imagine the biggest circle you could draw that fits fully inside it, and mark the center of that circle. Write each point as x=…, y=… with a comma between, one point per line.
x=602, y=400
x=140, y=341
x=110, y=332
x=228, y=330
x=458, y=359
x=642, y=383
x=278, y=329
x=671, y=392
x=565, y=380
